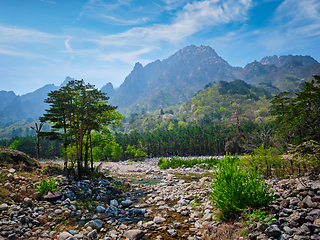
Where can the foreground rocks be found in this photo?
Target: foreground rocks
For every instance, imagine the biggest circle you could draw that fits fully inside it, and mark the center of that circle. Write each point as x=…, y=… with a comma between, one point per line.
x=106, y=208
x=296, y=211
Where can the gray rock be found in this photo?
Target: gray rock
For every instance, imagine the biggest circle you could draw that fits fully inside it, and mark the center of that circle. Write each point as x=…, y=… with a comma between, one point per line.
x=172, y=232
x=65, y=236
x=3, y=206
x=73, y=232
x=183, y=202
x=95, y=224
x=134, y=234
x=114, y=203
x=288, y=230
x=100, y=209
x=126, y=203
x=273, y=231
x=93, y=234
x=150, y=225
x=158, y=219
x=307, y=200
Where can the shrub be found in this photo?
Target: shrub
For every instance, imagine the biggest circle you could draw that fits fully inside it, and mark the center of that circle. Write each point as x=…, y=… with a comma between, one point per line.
x=47, y=186
x=234, y=189
x=265, y=159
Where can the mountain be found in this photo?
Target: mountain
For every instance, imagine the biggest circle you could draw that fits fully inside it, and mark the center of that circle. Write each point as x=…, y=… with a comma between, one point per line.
x=108, y=89
x=215, y=103
x=174, y=80
x=6, y=98
x=282, y=60
x=170, y=83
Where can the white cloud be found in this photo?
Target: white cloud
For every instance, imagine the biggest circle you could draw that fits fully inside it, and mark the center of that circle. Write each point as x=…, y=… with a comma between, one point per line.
x=48, y=1
x=192, y=18
x=15, y=34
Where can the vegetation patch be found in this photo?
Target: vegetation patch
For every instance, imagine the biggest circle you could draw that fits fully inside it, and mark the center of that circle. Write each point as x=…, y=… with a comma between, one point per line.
x=176, y=162
x=234, y=188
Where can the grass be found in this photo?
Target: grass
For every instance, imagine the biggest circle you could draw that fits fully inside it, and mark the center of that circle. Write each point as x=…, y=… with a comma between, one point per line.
x=176, y=162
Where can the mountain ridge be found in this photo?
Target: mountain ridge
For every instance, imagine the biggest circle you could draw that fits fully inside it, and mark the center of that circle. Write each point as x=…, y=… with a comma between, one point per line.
x=173, y=81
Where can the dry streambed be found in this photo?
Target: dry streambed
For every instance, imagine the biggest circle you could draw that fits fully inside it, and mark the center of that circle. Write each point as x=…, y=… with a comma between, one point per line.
x=176, y=208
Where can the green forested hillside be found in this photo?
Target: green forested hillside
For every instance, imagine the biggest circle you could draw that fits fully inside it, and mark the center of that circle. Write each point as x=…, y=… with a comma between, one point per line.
x=216, y=102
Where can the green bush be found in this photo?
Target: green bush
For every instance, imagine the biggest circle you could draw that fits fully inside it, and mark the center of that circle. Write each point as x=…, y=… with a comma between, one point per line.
x=265, y=159
x=47, y=186
x=176, y=162
x=234, y=188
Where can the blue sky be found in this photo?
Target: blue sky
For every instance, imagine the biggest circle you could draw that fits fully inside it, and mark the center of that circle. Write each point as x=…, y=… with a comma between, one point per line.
x=43, y=41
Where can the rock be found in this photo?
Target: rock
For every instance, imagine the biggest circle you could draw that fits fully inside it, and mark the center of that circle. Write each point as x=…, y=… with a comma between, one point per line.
x=100, y=209
x=114, y=203
x=73, y=232
x=273, y=231
x=95, y=224
x=183, y=202
x=11, y=170
x=150, y=225
x=287, y=230
x=3, y=206
x=126, y=203
x=51, y=196
x=172, y=232
x=158, y=219
x=66, y=236
x=27, y=200
x=307, y=200
x=134, y=234
x=93, y=234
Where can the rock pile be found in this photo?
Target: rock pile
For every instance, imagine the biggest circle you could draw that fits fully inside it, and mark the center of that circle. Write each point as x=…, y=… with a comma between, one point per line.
x=296, y=211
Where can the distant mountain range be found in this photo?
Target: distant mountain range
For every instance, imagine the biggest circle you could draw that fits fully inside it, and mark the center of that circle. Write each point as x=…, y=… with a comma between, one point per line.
x=172, y=81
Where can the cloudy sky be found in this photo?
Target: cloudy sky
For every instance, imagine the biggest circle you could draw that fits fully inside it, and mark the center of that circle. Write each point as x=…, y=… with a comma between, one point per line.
x=43, y=41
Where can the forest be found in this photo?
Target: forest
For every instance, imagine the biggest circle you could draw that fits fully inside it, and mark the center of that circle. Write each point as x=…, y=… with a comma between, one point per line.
x=242, y=119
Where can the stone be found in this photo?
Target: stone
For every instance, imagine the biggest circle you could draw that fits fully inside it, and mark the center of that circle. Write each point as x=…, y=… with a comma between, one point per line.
x=3, y=206
x=183, y=202
x=134, y=234
x=65, y=236
x=126, y=203
x=51, y=196
x=288, y=230
x=172, y=232
x=158, y=219
x=114, y=203
x=273, y=231
x=307, y=200
x=100, y=209
x=150, y=225
x=95, y=224
x=93, y=234
x=27, y=200
x=73, y=232
x=11, y=170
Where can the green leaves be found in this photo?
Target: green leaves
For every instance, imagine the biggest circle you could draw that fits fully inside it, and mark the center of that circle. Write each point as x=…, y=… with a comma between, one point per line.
x=47, y=186
x=299, y=117
x=233, y=188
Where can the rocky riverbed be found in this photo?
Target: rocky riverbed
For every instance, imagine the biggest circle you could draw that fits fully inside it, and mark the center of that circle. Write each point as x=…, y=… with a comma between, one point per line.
x=118, y=206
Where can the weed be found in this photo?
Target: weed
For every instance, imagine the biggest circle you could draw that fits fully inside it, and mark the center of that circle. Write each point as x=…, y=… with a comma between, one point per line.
x=47, y=186
x=255, y=217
